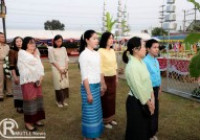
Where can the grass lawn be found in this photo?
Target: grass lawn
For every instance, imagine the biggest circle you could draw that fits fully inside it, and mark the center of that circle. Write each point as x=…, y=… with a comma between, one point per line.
x=179, y=117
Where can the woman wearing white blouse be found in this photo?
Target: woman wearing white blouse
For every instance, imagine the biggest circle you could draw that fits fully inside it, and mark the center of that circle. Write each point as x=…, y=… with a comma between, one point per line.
x=89, y=60
x=31, y=73
x=59, y=62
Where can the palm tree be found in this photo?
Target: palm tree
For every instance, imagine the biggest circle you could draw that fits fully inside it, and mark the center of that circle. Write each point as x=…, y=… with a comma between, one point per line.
x=110, y=22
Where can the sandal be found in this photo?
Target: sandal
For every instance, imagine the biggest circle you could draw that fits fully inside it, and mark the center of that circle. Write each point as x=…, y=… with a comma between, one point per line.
x=33, y=129
x=39, y=124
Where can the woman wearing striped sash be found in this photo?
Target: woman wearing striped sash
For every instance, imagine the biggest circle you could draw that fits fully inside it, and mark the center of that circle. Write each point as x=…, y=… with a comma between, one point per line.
x=89, y=60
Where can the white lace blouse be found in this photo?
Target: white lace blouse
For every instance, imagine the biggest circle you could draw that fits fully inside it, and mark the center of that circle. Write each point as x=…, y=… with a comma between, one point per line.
x=90, y=66
x=30, y=67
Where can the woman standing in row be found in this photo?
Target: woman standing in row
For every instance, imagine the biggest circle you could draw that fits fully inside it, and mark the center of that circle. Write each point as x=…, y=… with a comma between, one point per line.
x=89, y=60
x=109, y=73
x=31, y=73
x=13, y=57
x=154, y=70
x=59, y=61
x=140, y=102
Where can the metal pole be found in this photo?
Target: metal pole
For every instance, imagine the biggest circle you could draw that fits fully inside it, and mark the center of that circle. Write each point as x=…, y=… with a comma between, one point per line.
x=3, y=20
x=168, y=56
x=4, y=28
x=184, y=21
x=195, y=14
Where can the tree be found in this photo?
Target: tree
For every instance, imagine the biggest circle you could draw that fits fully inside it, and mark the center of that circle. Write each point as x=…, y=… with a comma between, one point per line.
x=54, y=25
x=196, y=4
x=109, y=22
x=157, y=31
x=196, y=28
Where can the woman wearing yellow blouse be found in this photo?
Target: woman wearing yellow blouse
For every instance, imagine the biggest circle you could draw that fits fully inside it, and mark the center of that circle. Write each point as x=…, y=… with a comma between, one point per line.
x=109, y=72
x=140, y=101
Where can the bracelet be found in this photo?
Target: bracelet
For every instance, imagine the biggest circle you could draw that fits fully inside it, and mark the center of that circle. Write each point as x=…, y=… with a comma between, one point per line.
x=88, y=94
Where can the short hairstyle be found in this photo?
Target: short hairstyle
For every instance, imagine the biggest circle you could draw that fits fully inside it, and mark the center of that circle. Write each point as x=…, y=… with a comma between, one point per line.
x=104, y=39
x=150, y=42
x=1, y=33
x=55, y=39
x=14, y=43
x=26, y=41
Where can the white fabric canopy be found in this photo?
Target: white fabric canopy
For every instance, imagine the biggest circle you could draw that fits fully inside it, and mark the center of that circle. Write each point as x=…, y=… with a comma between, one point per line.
x=43, y=34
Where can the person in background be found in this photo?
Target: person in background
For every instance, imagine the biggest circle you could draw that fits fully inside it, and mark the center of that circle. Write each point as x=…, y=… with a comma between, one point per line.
x=91, y=86
x=140, y=101
x=31, y=73
x=59, y=61
x=13, y=56
x=4, y=50
x=109, y=73
x=153, y=67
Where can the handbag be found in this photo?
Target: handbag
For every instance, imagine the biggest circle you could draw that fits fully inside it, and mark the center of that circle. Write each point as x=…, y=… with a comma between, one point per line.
x=64, y=83
x=6, y=68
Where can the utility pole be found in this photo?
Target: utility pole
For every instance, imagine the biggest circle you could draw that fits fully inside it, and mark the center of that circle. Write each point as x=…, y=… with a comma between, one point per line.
x=3, y=16
x=184, y=21
x=195, y=14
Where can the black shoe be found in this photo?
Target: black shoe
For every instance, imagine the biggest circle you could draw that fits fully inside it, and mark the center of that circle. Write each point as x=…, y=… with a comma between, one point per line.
x=20, y=110
x=33, y=129
x=1, y=99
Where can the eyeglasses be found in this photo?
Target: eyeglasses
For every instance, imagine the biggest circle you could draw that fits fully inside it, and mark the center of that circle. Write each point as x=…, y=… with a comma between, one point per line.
x=31, y=42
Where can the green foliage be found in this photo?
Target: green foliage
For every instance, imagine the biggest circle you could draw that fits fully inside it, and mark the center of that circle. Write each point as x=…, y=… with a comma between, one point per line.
x=157, y=31
x=196, y=27
x=196, y=4
x=194, y=67
x=54, y=25
x=196, y=92
x=110, y=22
x=192, y=38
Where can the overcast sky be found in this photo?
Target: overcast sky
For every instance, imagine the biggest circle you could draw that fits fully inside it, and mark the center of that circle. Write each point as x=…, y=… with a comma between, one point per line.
x=86, y=14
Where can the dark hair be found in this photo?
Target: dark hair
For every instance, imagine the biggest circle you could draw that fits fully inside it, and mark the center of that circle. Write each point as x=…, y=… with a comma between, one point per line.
x=133, y=43
x=104, y=39
x=55, y=39
x=26, y=41
x=150, y=42
x=87, y=35
x=14, y=43
x=1, y=33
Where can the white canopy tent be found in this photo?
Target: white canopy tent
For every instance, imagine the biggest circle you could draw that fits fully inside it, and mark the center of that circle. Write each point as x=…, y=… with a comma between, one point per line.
x=43, y=34
x=47, y=34
x=144, y=36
